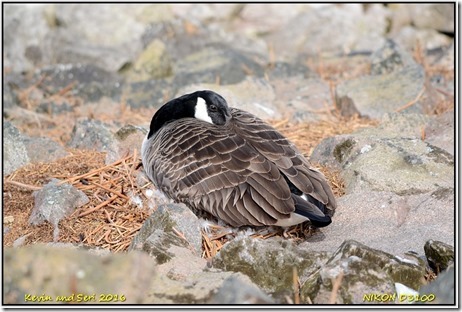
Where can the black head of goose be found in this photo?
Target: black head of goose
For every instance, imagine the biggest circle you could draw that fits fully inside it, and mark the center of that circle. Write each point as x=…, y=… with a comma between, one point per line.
x=231, y=164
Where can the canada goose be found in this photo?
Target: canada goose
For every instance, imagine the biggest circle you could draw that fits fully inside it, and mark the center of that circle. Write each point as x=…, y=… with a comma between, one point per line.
x=231, y=164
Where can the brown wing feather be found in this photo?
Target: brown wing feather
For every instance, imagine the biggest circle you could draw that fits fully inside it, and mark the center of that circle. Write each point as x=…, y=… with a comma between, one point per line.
x=286, y=156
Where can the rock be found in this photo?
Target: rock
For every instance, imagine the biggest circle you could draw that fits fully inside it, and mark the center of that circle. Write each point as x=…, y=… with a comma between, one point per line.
x=404, y=189
x=153, y=63
x=116, y=43
x=439, y=255
x=301, y=99
x=171, y=225
x=307, y=33
x=235, y=291
x=435, y=16
x=22, y=49
x=54, y=202
x=43, y=149
x=126, y=140
x=14, y=149
x=407, y=221
x=215, y=63
x=364, y=270
x=9, y=97
x=150, y=93
x=281, y=70
x=87, y=81
x=390, y=57
x=269, y=263
x=197, y=289
x=91, y=134
x=391, y=157
x=409, y=37
x=439, y=132
x=442, y=289
x=373, y=96
x=256, y=21
x=51, y=272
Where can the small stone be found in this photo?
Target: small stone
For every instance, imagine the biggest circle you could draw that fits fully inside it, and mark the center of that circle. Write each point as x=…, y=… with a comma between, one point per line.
x=439, y=255
x=54, y=202
x=91, y=135
x=153, y=63
x=364, y=270
x=170, y=225
x=14, y=149
x=390, y=57
x=269, y=263
x=442, y=289
x=236, y=291
x=43, y=149
x=126, y=140
x=373, y=96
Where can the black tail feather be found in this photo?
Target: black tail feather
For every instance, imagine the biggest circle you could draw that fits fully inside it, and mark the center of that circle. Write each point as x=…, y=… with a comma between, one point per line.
x=312, y=210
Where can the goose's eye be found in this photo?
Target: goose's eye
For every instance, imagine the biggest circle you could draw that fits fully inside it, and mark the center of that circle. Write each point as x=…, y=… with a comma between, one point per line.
x=213, y=108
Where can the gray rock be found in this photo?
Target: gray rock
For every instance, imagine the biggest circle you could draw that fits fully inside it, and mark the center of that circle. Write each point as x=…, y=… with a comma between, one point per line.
x=389, y=222
x=439, y=255
x=91, y=135
x=89, y=82
x=51, y=272
x=301, y=99
x=14, y=149
x=54, y=202
x=117, y=42
x=196, y=289
x=307, y=32
x=442, y=289
x=235, y=291
x=9, y=96
x=391, y=157
x=431, y=15
x=373, y=96
x=43, y=149
x=215, y=63
x=18, y=45
x=269, y=263
x=409, y=37
x=126, y=140
x=390, y=57
x=151, y=93
x=439, y=132
x=162, y=230
x=395, y=183
x=281, y=70
x=365, y=271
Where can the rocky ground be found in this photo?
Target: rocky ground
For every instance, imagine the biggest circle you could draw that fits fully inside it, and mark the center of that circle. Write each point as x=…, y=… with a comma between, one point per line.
x=365, y=90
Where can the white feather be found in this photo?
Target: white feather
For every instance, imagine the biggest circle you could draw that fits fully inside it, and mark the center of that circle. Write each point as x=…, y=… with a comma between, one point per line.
x=292, y=220
x=201, y=111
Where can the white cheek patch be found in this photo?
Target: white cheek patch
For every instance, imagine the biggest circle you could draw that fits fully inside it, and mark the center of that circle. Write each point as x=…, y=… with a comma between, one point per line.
x=201, y=111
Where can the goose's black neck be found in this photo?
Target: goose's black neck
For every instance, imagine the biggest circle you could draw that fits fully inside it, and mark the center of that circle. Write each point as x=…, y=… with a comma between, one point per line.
x=175, y=109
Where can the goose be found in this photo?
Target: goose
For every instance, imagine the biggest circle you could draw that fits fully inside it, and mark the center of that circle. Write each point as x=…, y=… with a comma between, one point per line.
x=229, y=163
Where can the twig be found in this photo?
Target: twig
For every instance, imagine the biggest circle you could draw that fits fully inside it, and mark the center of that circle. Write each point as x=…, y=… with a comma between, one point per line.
x=296, y=286
x=99, y=206
x=335, y=287
x=411, y=102
x=26, y=186
x=110, y=190
x=94, y=171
